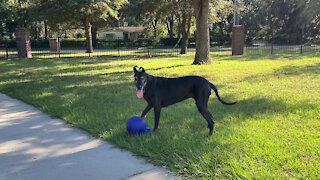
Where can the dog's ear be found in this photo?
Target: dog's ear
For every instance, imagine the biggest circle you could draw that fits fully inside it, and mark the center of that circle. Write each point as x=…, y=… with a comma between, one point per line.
x=141, y=69
x=135, y=69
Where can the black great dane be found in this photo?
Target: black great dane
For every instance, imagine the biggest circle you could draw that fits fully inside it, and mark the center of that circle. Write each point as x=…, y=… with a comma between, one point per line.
x=161, y=92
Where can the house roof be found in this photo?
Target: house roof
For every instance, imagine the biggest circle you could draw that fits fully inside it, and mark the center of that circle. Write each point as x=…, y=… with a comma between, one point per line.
x=131, y=28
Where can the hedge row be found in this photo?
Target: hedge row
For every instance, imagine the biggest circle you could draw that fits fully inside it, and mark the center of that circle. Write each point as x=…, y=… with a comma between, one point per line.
x=81, y=43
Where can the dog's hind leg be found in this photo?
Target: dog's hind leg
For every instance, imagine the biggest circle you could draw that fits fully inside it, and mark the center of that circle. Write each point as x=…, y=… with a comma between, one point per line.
x=211, y=124
x=146, y=110
x=202, y=106
x=208, y=117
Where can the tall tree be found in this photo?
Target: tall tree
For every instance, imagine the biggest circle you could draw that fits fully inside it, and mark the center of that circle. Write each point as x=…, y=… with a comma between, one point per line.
x=201, y=12
x=312, y=19
x=280, y=21
x=133, y=13
x=154, y=14
x=8, y=19
x=221, y=19
x=12, y=15
x=78, y=11
x=185, y=25
x=170, y=25
x=184, y=13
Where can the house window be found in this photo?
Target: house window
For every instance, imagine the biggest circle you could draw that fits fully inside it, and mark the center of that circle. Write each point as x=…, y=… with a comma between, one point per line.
x=126, y=36
x=110, y=36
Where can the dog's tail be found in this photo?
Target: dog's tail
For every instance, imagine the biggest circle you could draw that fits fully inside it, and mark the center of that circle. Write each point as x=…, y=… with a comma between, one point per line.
x=217, y=94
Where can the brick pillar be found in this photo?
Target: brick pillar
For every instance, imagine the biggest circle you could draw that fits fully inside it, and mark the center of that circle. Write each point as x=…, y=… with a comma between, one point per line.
x=54, y=44
x=23, y=43
x=237, y=40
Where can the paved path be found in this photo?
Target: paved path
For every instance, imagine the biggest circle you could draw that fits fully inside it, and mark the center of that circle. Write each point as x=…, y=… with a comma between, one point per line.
x=35, y=146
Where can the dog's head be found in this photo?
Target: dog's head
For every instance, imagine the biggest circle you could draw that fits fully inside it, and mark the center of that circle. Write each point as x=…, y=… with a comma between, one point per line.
x=140, y=79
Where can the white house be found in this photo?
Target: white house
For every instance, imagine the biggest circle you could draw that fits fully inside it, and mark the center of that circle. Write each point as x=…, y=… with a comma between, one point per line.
x=123, y=33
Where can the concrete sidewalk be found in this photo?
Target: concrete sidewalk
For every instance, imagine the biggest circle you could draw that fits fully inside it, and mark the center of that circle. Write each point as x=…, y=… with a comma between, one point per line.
x=35, y=146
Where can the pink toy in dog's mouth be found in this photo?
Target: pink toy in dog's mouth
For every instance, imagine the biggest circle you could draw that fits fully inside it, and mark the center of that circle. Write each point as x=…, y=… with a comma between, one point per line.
x=140, y=94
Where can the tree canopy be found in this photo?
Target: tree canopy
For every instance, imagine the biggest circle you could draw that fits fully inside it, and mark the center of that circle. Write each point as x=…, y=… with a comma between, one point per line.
x=77, y=12
x=273, y=21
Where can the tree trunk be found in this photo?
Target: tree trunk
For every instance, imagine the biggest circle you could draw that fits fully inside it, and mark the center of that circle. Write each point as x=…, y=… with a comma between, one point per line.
x=94, y=35
x=87, y=28
x=35, y=30
x=185, y=30
x=179, y=25
x=184, y=45
x=65, y=33
x=201, y=10
x=45, y=30
x=154, y=25
x=170, y=23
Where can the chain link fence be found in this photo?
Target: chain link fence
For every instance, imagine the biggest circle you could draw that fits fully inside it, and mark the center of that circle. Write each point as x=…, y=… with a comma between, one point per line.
x=273, y=49
x=117, y=49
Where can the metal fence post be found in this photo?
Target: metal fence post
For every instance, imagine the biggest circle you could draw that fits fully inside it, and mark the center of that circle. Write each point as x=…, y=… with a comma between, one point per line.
x=7, y=53
x=118, y=46
x=59, y=49
x=301, y=50
x=271, y=48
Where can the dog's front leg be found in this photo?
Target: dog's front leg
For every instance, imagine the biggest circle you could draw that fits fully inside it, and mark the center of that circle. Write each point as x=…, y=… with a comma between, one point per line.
x=157, y=111
x=146, y=110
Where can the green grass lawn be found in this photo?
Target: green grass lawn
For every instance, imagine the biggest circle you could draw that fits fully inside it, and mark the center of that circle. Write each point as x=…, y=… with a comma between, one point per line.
x=273, y=132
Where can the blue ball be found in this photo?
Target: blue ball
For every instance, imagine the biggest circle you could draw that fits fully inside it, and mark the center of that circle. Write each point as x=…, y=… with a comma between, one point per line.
x=136, y=125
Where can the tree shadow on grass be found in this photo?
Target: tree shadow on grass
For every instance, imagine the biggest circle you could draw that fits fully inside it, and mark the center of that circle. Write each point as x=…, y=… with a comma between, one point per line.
x=263, y=56
x=74, y=66
x=286, y=71
x=298, y=70
x=251, y=57
x=147, y=69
